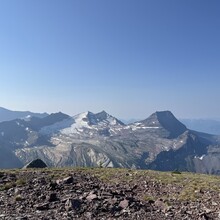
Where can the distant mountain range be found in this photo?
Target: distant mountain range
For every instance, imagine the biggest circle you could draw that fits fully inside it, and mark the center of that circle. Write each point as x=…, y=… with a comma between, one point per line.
x=7, y=115
x=159, y=142
x=204, y=125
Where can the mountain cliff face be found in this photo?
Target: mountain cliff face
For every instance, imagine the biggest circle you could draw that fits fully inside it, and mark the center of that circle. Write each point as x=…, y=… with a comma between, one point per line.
x=165, y=122
x=159, y=142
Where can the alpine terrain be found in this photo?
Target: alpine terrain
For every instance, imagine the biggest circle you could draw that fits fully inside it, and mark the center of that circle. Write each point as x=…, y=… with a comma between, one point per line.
x=160, y=142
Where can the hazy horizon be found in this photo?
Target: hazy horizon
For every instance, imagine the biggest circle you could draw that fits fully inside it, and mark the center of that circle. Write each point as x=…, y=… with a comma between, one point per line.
x=129, y=58
x=124, y=119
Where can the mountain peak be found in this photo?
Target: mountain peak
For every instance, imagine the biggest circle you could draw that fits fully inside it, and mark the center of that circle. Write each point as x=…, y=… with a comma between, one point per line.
x=166, y=120
x=97, y=118
x=48, y=120
x=165, y=114
x=102, y=115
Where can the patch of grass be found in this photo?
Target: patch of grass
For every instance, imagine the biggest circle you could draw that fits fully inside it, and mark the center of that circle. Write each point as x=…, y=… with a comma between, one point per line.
x=2, y=174
x=176, y=172
x=20, y=182
x=149, y=199
x=18, y=198
x=7, y=186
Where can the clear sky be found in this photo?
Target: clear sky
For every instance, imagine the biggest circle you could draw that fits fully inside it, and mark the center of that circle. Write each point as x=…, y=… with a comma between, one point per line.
x=128, y=57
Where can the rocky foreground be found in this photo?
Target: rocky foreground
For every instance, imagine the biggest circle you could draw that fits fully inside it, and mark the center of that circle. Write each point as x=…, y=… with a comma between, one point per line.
x=98, y=193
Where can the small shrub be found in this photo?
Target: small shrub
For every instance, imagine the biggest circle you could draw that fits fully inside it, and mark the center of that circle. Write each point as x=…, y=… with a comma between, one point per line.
x=7, y=186
x=18, y=198
x=150, y=199
x=20, y=182
x=176, y=172
x=1, y=174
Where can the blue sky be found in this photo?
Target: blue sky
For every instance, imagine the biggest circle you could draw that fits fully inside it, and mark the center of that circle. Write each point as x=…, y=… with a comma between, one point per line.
x=128, y=57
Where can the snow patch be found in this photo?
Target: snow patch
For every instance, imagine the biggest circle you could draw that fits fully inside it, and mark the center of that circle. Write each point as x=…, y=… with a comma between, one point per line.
x=200, y=158
x=57, y=127
x=138, y=125
x=92, y=122
x=150, y=127
x=80, y=122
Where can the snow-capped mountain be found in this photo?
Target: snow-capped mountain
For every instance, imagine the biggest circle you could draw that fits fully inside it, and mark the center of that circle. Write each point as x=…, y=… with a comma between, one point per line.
x=86, y=124
x=89, y=139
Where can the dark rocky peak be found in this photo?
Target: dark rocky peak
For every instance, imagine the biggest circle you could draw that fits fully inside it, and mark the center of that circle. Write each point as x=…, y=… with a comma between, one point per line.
x=88, y=117
x=38, y=123
x=38, y=163
x=103, y=115
x=56, y=117
x=166, y=120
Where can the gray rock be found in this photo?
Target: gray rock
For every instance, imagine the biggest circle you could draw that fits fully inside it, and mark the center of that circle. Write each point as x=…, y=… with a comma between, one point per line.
x=124, y=203
x=72, y=204
x=91, y=197
x=68, y=205
x=68, y=180
x=42, y=207
x=52, y=197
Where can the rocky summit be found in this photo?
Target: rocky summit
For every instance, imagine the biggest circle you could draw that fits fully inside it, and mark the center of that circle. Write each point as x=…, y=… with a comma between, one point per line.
x=107, y=193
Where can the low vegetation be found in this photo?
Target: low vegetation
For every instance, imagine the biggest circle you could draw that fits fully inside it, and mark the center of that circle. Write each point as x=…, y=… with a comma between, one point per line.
x=177, y=195
x=186, y=186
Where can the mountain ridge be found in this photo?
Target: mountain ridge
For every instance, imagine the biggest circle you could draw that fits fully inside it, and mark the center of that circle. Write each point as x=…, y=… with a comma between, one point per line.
x=166, y=120
x=89, y=139
x=8, y=115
